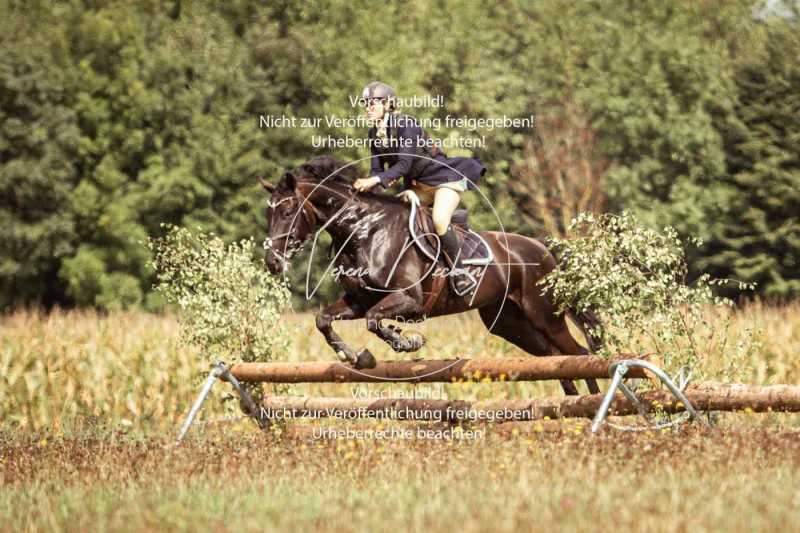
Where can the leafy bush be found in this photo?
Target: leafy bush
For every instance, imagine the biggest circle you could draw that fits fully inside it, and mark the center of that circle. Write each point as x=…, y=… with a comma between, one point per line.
x=230, y=306
x=635, y=280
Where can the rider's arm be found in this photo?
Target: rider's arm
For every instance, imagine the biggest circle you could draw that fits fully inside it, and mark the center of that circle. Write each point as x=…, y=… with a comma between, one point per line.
x=410, y=136
x=375, y=165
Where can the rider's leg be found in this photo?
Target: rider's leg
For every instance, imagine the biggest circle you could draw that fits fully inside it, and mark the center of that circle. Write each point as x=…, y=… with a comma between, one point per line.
x=445, y=203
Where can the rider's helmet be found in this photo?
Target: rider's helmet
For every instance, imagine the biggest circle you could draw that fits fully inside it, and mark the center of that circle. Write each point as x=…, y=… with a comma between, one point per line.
x=378, y=89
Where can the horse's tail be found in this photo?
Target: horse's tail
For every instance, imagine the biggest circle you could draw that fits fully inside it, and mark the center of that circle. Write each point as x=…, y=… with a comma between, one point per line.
x=591, y=327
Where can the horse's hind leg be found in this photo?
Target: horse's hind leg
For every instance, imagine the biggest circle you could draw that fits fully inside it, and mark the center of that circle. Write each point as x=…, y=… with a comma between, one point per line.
x=395, y=306
x=511, y=324
x=559, y=334
x=554, y=326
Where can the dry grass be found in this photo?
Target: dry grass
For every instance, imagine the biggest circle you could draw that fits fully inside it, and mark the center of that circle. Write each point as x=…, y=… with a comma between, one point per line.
x=68, y=365
x=724, y=481
x=89, y=404
x=129, y=368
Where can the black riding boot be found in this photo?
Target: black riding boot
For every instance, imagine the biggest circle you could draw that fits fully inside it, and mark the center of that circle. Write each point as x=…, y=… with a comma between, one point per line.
x=462, y=280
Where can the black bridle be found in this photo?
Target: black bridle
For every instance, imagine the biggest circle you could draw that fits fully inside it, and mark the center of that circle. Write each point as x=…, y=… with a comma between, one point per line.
x=311, y=214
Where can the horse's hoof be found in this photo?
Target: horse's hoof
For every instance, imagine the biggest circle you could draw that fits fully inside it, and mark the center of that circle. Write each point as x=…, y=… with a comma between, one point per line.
x=365, y=359
x=416, y=341
x=408, y=343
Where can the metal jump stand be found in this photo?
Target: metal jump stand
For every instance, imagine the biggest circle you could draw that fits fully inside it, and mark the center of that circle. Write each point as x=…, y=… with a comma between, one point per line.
x=616, y=371
x=220, y=370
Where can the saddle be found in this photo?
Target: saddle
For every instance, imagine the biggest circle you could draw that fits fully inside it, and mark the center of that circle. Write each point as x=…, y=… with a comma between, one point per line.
x=473, y=250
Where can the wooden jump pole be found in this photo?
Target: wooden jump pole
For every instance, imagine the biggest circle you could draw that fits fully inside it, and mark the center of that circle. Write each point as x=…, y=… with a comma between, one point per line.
x=707, y=396
x=436, y=370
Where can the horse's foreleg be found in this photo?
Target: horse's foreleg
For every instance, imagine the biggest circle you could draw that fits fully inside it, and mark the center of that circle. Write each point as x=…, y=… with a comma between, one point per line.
x=394, y=306
x=342, y=309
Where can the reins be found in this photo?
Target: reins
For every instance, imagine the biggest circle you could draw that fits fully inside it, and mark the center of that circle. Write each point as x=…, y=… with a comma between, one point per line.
x=311, y=217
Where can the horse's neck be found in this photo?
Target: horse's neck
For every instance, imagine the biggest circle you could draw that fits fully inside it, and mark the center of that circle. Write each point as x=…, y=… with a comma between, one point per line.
x=361, y=216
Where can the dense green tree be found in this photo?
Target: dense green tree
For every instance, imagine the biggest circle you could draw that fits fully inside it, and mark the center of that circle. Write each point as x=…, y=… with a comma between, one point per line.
x=116, y=117
x=760, y=241
x=39, y=138
x=158, y=131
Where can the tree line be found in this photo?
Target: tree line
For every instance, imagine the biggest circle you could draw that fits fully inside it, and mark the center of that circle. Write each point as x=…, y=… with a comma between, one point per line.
x=116, y=117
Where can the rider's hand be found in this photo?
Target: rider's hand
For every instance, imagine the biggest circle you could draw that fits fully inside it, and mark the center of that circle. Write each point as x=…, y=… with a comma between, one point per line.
x=365, y=184
x=409, y=196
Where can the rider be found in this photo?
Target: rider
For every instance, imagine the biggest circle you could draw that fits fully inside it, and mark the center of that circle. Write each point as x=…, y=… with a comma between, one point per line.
x=435, y=178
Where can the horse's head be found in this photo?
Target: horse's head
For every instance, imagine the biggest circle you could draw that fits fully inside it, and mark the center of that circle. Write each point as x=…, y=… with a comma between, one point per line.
x=299, y=201
x=291, y=220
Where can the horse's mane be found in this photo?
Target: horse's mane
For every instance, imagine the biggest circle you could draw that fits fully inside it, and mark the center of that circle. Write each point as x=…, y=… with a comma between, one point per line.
x=326, y=166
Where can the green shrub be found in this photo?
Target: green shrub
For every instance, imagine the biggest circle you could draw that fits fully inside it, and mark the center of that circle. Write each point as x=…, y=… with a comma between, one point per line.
x=635, y=279
x=230, y=306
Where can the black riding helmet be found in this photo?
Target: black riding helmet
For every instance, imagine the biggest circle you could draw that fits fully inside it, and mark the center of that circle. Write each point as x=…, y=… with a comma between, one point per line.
x=380, y=90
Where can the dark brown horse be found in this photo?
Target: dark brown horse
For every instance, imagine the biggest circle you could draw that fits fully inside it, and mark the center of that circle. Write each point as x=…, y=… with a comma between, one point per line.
x=370, y=233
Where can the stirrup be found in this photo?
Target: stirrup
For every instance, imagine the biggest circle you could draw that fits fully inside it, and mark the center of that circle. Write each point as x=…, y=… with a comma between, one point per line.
x=463, y=274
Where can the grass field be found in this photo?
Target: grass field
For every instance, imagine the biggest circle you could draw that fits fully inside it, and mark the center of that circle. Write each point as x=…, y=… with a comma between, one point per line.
x=741, y=480
x=90, y=403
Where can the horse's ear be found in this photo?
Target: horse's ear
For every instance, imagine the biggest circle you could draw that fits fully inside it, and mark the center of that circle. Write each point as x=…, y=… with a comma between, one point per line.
x=290, y=180
x=308, y=169
x=267, y=185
